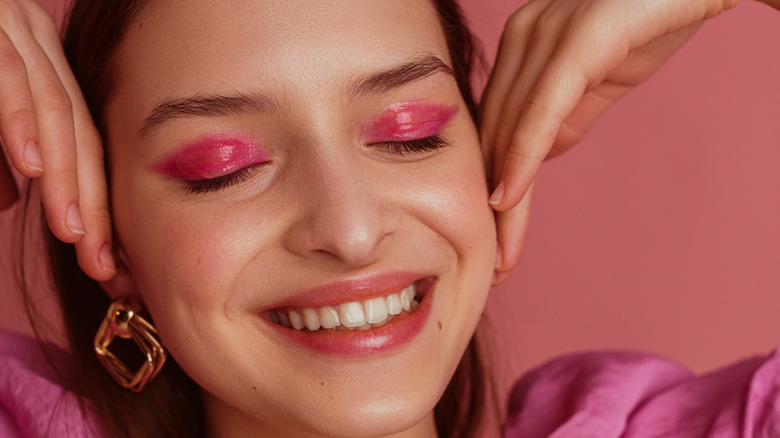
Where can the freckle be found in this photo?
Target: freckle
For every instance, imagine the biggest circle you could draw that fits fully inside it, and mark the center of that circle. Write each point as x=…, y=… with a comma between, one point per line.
x=439, y=325
x=254, y=387
x=322, y=383
x=331, y=397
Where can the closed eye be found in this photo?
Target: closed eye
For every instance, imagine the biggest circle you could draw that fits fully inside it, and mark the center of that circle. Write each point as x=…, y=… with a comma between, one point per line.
x=421, y=145
x=200, y=186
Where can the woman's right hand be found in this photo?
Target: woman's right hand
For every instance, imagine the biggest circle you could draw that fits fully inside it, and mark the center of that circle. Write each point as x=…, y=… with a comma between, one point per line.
x=560, y=65
x=48, y=133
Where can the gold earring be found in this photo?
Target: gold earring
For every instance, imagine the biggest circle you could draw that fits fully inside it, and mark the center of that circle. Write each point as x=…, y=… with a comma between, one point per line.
x=123, y=320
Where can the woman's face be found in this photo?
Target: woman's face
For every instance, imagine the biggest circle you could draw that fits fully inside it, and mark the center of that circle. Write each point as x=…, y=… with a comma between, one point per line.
x=278, y=164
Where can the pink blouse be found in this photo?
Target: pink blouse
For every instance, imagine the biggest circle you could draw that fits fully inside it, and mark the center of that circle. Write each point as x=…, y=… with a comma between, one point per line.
x=33, y=402
x=635, y=395
x=587, y=395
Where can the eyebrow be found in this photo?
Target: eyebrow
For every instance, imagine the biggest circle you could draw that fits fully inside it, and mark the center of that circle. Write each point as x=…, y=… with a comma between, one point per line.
x=414, y=70
x=214, y=105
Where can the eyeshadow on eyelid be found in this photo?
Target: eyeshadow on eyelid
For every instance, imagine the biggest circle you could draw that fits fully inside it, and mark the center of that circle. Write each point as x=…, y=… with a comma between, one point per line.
x=409, y=121
x=211, y=157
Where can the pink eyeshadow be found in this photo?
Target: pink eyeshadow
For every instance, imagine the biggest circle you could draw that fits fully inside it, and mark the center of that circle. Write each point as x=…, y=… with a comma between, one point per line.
x=409, y=121
x=212, y=156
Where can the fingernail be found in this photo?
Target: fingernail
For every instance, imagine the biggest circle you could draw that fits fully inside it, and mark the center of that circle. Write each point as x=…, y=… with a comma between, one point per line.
x=73, y=220
x=499, y=256
x=498, y=194
x=106, y=259
x=32, y=156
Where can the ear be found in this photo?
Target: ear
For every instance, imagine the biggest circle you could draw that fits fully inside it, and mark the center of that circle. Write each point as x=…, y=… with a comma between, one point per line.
x=122, y=284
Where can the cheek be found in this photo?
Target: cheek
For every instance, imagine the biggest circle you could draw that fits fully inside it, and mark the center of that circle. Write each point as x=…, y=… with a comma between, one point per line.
x=455, y=203
x=181, y=255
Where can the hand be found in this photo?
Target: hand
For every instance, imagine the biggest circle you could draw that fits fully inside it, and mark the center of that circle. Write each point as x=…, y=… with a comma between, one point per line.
x=48, y=133
x=560, y=65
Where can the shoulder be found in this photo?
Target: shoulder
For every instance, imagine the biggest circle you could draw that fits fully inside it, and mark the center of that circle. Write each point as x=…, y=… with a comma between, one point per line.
x=636, y=395
x=33, y=398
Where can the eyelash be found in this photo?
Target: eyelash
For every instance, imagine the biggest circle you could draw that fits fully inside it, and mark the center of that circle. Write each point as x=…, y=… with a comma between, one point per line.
x=427, y=144
x=420, y=145
x=200, y=186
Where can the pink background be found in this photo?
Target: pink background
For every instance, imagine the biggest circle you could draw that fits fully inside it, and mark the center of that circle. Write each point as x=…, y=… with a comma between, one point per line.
x=661, y=231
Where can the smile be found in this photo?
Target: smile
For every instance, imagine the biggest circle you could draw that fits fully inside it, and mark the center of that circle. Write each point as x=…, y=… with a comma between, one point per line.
x=353, y=315
x=357, y=317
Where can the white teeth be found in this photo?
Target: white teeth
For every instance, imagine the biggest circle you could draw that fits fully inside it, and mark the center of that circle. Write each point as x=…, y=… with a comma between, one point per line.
x=354, y=315
x=311, y=319
x=376, y=310
x=284, y=319
x=351, y=314
x=394, y=304
x=329, y=318
x=296, y=320
x=406, y=299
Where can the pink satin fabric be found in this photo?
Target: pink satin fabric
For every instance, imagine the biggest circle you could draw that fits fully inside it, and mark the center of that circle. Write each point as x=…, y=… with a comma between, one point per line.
x=586, y=395
x=634, y=395
x=33, y=402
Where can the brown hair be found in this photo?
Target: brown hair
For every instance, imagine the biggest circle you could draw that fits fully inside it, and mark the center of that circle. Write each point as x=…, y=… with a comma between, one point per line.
x=171, y=405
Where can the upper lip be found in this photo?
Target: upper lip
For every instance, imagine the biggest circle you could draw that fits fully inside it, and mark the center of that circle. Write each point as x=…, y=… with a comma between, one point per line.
x=351, y=289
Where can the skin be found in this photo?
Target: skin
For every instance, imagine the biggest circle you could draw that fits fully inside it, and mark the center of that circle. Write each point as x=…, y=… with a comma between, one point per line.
x=48, y=134
x=560, y=65
x=527, y=116
x=329, y=206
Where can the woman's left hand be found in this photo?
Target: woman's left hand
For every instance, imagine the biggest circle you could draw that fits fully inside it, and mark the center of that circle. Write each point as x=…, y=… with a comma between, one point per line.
x=560, y=65
x=45, y=124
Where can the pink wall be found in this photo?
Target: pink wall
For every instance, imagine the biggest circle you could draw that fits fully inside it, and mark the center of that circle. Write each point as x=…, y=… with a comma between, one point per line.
x=660, y=232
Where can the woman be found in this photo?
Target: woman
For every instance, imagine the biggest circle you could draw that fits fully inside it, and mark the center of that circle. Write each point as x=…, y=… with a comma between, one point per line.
x=285, y=210
x=336, y=250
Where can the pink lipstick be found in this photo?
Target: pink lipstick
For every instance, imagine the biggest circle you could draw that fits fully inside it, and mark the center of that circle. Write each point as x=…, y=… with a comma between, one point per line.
x=374, y=332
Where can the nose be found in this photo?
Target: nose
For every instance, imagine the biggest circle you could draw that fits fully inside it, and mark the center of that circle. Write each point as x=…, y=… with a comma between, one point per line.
x=344, y=216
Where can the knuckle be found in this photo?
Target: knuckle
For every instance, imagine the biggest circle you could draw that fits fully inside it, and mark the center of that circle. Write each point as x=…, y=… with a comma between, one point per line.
x=58, y=102
x=21, y=116
x=11, y=63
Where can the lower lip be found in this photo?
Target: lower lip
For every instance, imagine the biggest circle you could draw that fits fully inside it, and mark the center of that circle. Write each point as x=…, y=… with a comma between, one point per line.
x=362, y=343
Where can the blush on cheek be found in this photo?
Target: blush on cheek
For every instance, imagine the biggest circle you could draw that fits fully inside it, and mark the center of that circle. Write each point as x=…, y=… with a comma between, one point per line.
x=410, y=121
x=211, y=157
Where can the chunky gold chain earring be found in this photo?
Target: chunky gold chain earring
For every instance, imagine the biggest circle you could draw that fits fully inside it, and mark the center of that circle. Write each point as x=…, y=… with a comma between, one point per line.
x=123, y=320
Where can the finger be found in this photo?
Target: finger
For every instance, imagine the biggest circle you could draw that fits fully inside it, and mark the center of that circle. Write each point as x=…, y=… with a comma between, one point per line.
x=539, y=53
x=18, y=126
x=548, y=104
x=53, y=109
x=510, y=55
x=94, y=251
x=511, y=228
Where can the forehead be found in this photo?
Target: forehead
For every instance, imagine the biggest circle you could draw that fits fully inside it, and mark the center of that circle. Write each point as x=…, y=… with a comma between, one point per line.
x=193, y=45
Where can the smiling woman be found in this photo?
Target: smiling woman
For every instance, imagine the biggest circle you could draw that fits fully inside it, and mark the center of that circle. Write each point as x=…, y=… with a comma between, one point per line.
x=302, y=236
x=284, y=208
